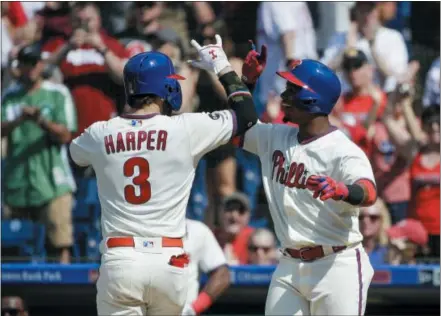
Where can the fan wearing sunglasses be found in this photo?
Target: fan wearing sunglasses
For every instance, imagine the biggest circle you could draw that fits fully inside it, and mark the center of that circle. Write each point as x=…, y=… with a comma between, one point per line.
x=262, y=248
x=374, y=222
x=315, y=180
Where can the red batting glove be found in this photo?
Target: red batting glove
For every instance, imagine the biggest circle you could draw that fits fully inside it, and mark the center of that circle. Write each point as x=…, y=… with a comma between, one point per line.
x=327, y=188
x=254, y=64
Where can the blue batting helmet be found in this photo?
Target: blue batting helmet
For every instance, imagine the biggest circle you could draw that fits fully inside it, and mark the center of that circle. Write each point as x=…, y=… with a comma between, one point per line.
x=152, y=73
x=320, y=86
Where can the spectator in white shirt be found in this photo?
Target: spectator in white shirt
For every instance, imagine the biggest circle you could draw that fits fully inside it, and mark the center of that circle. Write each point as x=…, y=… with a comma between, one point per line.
x=207, y=256
x=384, y=47
x=287, y=30
x=431, y=88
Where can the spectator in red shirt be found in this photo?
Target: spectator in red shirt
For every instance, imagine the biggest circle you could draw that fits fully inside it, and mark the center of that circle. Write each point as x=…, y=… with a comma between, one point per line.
x=92, y=64
x=355, y=106
x=234, y=232
x=425, y=177
x=360, y=111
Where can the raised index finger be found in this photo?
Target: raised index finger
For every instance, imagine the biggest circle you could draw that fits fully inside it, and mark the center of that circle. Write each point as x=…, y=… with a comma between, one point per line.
x=218, y=40
x=195, y=44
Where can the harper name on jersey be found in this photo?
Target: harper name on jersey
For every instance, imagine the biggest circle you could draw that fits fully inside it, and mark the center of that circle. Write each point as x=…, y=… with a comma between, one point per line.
x=131, y=141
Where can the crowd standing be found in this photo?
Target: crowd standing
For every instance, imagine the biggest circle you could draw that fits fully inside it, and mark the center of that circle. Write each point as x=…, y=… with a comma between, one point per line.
x=62, y=71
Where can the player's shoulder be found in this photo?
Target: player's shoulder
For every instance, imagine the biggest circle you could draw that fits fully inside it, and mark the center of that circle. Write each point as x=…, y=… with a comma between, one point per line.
x=279, y=129
x=343, y=145
x=194, y=117
x=99, y=127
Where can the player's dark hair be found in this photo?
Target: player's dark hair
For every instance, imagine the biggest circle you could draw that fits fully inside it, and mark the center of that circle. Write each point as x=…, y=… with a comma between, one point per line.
x=431, y=113
x=140, y=101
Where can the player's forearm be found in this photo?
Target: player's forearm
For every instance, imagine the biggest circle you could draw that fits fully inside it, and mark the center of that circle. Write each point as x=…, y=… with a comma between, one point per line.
x=57, y=131
x=362, y=193
x=217, y=283
x=240, y=100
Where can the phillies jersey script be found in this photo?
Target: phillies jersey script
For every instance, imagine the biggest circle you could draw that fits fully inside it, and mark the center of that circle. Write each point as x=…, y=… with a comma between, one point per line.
x=299, y=219
x=145, y=166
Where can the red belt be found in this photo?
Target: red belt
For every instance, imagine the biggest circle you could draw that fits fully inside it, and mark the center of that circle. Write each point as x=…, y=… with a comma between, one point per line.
x=113, y=242
x=310, y=253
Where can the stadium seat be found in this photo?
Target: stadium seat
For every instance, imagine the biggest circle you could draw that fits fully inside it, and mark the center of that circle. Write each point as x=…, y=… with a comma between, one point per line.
x=249, y=166
x=86, y=222
x=25, y=235
x=92, y=192
x=198, y=201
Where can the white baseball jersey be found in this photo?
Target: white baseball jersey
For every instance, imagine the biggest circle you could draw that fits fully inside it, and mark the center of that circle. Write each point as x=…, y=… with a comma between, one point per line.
x=145, y=166
x=205, y=254
x=299, y=219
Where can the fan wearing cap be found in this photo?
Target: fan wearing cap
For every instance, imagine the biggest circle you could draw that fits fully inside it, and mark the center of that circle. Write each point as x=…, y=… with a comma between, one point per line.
x=38, y=118
x=315, y=179
x=364, y=96
x=418, y=145
x=406, y=237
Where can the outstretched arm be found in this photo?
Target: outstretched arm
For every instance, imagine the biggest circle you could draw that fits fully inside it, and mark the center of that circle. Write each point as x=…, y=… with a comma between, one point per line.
x=213, y=58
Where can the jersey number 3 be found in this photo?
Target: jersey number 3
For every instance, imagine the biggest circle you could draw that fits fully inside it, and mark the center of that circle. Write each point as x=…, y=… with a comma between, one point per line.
x=140, y=180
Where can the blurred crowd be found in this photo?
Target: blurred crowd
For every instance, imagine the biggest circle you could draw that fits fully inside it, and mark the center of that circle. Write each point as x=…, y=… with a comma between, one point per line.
x=62, y=71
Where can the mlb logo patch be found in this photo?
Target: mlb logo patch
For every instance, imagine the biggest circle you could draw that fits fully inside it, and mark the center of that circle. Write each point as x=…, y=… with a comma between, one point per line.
x=148, y=244
x=136, y=122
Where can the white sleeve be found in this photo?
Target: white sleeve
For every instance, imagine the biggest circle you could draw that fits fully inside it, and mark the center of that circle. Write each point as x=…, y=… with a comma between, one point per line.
x=431, y=86
x=207, y=131
x=82, y=147
x=335, y=45
x=283, y=16
x=397, y=57
x=256, y=139
x=212, y=255
x=355, y=166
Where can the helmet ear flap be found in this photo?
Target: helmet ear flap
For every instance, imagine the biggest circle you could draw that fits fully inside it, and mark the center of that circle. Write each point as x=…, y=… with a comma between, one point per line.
x=173, y=93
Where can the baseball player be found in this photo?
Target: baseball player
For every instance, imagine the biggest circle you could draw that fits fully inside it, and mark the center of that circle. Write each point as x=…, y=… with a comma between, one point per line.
x=315, y=179
x=206, y=255
x=145, y=164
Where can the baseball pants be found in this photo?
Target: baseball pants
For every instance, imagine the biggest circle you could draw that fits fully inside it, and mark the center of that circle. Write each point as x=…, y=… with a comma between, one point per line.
x=135, y=282
x=334, y=285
